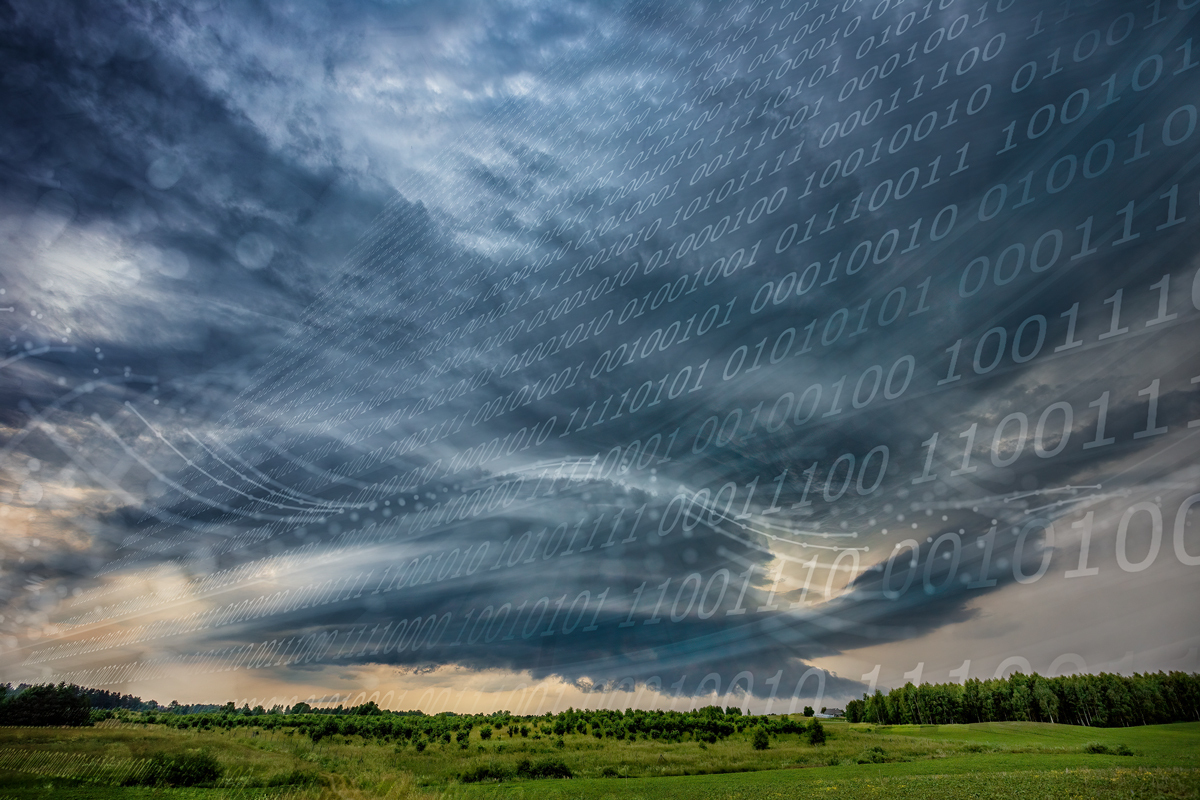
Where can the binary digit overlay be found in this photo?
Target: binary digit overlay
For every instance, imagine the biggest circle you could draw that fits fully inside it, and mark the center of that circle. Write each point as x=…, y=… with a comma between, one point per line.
x=787, y=351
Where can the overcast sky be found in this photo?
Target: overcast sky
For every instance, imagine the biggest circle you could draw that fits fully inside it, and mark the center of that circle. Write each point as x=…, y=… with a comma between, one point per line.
x=631, y=352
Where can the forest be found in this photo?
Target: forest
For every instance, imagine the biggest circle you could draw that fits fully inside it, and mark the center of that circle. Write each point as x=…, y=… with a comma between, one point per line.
x=44, y=704
x=1103, y=701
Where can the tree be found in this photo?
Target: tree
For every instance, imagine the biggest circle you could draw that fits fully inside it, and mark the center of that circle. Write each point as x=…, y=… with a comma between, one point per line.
x=808, y=711
x=761, y=741
x=816, y=732
x=325, y=728
x=1045, y=702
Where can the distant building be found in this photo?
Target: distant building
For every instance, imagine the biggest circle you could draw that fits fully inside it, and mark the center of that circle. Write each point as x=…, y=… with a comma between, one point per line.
x=830, y=713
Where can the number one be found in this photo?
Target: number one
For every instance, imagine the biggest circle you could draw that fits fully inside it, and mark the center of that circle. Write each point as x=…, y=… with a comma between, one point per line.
x=1085, y=543
x=1151, y=391
x=984, y=582
x=926, y=477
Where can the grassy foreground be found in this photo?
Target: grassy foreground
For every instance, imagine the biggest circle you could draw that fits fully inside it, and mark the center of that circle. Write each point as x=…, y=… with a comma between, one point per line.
x=999, y=760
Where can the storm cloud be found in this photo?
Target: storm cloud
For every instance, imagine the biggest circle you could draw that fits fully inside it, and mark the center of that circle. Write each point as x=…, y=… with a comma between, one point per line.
x=612, y=345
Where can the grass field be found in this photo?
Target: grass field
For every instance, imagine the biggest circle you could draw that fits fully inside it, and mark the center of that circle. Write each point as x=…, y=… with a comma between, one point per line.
x=1001, y=760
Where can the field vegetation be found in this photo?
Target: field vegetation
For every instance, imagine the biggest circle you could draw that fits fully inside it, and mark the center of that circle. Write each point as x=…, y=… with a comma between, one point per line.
x=128, y=757
x=135, y=749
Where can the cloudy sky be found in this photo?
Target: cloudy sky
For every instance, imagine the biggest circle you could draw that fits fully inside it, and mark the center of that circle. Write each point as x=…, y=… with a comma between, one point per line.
x=478, y=355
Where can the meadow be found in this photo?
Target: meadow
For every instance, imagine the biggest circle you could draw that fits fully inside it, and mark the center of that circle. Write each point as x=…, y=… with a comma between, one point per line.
x=1006, y=759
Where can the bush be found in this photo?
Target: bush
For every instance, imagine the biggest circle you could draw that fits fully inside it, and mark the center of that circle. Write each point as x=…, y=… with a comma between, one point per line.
x=323, y=729
x=294, y=778
x=481, y=773
x=485, y=733
x=1102, y=749
x=544, y=768
x=761, y=741
x=185, y=769
x=874, y=755
x=816, y=732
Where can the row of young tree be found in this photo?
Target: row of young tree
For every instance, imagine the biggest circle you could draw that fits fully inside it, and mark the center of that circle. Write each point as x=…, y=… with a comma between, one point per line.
x=1105, y=700
x=708, y=724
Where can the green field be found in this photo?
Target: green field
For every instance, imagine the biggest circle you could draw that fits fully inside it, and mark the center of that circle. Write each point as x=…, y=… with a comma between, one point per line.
x=1010, y=759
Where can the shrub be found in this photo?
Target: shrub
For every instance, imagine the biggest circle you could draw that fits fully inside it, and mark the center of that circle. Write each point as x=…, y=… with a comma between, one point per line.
x=816, y=732
x=481, y=773
x=185, y=769
x=873, y=755
x=323, y=729
x=294, y=778
x=761, y=741
x=1103, y=749
x=485, y=733
x=544, y=768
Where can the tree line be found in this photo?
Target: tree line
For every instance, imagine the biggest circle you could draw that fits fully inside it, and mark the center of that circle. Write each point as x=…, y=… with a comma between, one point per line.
x=1105, y=701
x=709, y=724
x=45, y=704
